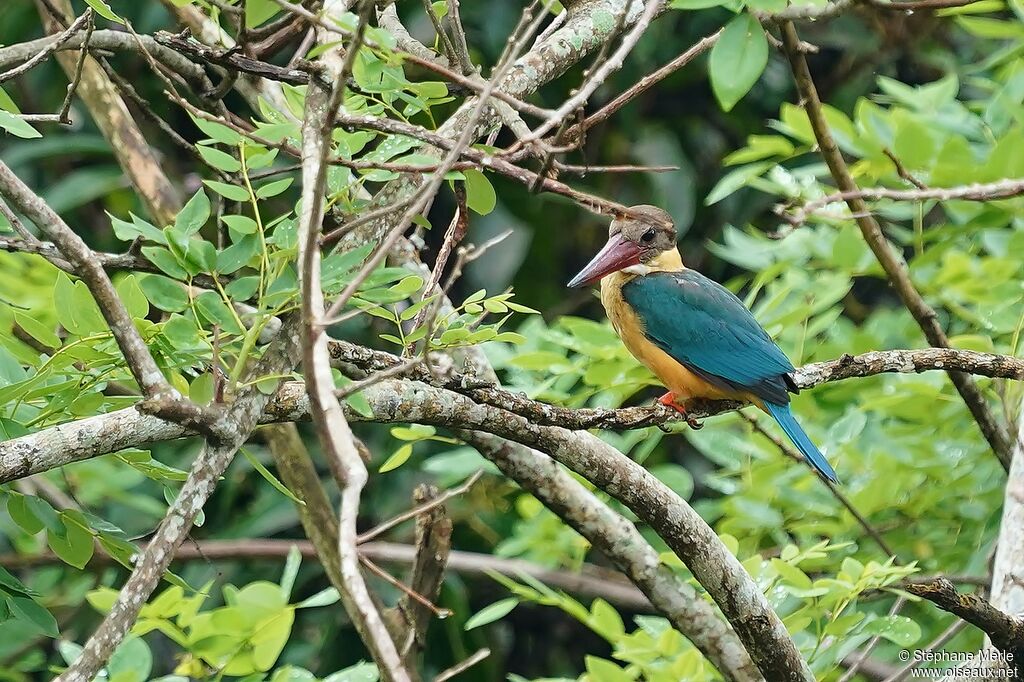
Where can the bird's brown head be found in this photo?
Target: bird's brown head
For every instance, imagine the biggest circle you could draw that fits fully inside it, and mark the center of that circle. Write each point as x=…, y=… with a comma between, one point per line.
x=634, y=239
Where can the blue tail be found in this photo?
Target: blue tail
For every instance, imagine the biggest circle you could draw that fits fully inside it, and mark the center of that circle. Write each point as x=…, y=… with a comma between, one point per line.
x=784, y=416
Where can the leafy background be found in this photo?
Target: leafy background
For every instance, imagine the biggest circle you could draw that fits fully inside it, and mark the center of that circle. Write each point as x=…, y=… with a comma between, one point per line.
x=942, y=91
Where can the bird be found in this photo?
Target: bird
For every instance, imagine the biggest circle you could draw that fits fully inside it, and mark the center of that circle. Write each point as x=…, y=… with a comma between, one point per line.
x=695, y=335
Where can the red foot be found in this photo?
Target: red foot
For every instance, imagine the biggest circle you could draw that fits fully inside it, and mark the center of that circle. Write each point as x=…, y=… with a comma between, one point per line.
x=669, y=400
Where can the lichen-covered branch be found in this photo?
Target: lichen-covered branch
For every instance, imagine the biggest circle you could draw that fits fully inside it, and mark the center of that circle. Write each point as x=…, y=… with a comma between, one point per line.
x=332, y=427
x=74, y=441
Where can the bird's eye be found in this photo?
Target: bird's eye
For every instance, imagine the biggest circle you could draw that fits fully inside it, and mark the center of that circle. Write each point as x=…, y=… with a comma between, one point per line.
x=647, y=237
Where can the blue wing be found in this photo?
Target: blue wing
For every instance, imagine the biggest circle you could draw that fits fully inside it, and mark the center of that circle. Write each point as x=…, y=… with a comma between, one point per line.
x=703, y=326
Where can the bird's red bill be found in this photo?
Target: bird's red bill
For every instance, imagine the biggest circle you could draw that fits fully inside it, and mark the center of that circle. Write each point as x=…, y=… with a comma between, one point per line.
x=614, y=256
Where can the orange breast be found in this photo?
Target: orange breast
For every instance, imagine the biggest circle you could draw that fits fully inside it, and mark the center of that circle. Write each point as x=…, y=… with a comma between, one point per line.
x=677, y=378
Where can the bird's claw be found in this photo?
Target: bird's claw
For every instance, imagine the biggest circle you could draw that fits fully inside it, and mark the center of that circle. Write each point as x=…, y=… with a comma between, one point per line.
x=669, y=400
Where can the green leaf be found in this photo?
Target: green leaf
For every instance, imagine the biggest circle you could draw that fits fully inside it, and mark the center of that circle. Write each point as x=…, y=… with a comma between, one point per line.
x=16, y=126
x=131, y=294
x=899, y=630
x=76, y=545
x=163, y=259
x=489, y=614
x=272, y=189
x=193, y=215
x=103, y=9
x=238, y=254
x=126, y=231
x=243, y=288
x=76, y=310
x=215, y=158
x=737, y=59
x=601, y=670
x=166, y=294
x=413, y=432
x=200, y=390
x=22, y=513
x=12, y=584
x=324, y=597
x=735, y=179
x=37, y=330
x=216, y=311
x=480, y=195
x=408, y=285
x=270, y=478
x=230, y=192
x=30, y=611
x=132, y=661
x=259, y=11
x=218, y=131
x=400, y=457
x=240, y=224
x=360, y=672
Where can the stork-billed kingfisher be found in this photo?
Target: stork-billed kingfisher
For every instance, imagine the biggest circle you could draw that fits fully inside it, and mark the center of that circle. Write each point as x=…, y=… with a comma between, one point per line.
x=693, y=333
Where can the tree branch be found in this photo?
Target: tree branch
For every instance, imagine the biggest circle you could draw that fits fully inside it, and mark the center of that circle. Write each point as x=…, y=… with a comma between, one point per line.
x=622, y=543
x=895, y=267
x=589, y=581
x=64, y=444
x=1005, y=631
x=332, y=427
x=991, y=191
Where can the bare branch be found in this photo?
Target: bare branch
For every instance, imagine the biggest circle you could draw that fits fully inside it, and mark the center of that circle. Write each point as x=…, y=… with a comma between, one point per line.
x=1005, y=631
x=63, y=444
x=107, y=40
x=332, y=427
x=600, y=74
x=645, y=84
x=991, y=191
x=589, y=581
x=462, y=667
x=51, y=47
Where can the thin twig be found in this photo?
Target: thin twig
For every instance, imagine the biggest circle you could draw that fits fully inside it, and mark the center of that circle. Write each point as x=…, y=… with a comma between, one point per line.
x=860, y=659
x=51, y=47
x=462, y=667
x=991, y=191
x=65, y=106
x=416, y=511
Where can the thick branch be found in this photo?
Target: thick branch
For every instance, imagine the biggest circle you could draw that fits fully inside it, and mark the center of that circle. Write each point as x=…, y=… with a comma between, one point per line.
x=1005, y=631
x=623, y=544
x=332, y=427
x=112, y=117
x=111, y=41
x=63, y=444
